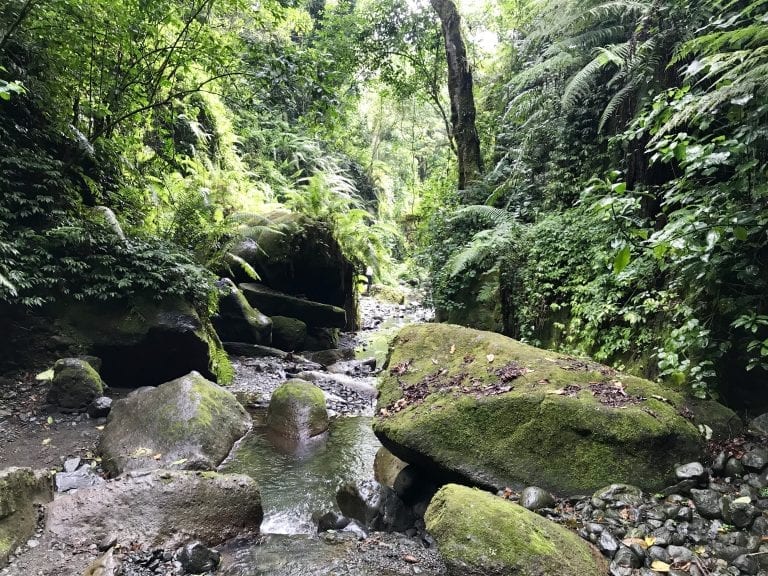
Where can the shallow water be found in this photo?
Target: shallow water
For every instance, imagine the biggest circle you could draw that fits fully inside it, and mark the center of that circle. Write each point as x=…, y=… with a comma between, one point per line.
x=298, y=480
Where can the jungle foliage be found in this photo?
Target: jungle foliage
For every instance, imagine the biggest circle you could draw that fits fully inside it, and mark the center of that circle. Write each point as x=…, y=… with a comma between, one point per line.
x=630, y=152
x=621, y=214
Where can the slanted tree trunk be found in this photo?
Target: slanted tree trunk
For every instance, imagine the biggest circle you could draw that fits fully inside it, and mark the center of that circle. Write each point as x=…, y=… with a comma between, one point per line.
x=463, y=127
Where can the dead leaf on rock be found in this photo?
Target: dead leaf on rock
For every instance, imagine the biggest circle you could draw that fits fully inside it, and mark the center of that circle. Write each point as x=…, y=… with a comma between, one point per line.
x=410, y=559
x=659, y=566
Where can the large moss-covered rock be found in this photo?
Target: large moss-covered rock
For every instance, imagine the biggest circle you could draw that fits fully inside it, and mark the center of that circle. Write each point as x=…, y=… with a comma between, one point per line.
x=479, y=534
x=146, y=343
x=236, y=320
x=299, y=256
x=496, y=412
x=297, y=410
x=288, y=333
x=21, y=490
x=188, y=423
x=75, y=384
x=163, y=508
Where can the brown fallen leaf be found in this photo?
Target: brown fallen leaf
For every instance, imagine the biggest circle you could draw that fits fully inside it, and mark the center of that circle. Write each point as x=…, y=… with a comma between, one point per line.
x=410, y=559
x=157, y=456
x=659, y=566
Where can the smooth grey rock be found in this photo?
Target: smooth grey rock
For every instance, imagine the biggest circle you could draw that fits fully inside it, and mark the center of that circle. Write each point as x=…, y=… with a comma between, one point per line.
x=158, y=507
x=659, y=553
x=691, y=471
x=680, y=553
x=608, y=544
x=535, y=498
x=71, y=464
x=707, y=503
x=100, y=407
x=83, y=477
x=755, y=459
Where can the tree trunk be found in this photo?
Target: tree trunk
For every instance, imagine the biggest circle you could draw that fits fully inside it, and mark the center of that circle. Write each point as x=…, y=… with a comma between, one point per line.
x=463, y=127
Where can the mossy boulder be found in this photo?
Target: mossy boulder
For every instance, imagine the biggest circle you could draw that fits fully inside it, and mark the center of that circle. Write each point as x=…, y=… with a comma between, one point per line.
x=145, y=343
x=297, y=410
x=75, y=384
x=479, y=534
x=21, y=491
x=236, y=320
x=491, y=411
x=188, y=423
x=288, y=333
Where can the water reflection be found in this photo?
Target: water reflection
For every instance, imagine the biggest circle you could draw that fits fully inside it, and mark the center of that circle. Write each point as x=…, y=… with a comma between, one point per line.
x=294, y=483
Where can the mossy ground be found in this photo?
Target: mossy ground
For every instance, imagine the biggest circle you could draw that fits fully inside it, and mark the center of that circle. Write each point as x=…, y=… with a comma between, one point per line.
x=481, y=534
x=535, y=433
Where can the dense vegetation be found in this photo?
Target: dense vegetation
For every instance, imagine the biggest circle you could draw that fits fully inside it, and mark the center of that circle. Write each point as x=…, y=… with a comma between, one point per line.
x=622, y=211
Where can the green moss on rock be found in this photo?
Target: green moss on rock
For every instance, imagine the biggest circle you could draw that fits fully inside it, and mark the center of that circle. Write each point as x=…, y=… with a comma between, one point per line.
x=21, y=490
x=497, y=412
x=479, y=534
x=75, y=384
x=190, y=422
x=297, y=410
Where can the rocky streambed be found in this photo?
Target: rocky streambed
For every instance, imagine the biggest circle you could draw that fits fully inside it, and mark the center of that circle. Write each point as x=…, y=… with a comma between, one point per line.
x=286, y=506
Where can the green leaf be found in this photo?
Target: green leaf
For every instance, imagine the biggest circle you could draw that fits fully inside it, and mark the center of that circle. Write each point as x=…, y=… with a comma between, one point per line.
x=740, y=233
x=621, y=260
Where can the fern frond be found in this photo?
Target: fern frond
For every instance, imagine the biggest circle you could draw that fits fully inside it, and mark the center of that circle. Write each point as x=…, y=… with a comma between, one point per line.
x=582, y=82
x=493, y=216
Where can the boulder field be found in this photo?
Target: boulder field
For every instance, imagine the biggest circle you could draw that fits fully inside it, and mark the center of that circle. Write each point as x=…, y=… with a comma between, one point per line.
x=487, y=410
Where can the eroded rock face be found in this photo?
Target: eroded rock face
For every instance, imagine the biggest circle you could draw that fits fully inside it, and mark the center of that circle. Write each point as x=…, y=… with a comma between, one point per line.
x=496, y=412
x=75, y=384
x=21, y=490
x=479, y=534
x=161, y=508
x=188, y=423
x=299, y=256
x=145, y=344
x=297, y=410
x=236, y=320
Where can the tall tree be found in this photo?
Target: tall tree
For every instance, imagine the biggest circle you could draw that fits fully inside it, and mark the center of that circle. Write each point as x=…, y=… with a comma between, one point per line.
x=460, y=91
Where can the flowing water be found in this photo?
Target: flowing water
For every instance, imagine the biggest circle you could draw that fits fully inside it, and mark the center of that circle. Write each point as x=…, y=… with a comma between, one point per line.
x=296, y=481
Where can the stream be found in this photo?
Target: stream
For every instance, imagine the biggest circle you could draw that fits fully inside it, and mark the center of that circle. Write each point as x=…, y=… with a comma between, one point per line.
x=299, y=481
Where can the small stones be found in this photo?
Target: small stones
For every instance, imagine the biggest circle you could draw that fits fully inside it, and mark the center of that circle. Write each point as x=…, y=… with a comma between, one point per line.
x=197, y=558
x=100, y=407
